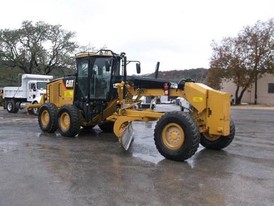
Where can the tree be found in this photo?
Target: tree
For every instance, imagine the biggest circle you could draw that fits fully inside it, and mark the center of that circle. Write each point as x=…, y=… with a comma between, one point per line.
x=37, y=48
x=214, y=78
x=244, y=58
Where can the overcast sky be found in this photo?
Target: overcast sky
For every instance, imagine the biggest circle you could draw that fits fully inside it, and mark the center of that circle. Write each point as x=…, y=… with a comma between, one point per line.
x=178, y=33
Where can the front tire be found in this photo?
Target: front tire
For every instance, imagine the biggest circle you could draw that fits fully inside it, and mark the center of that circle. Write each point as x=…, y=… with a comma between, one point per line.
x=47, y=118
x=218, y=142
x=69, y=121
x=176, y=136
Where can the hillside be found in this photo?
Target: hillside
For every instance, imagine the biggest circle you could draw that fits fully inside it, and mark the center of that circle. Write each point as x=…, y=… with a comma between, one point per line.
x=198, y=75
x=9, y=77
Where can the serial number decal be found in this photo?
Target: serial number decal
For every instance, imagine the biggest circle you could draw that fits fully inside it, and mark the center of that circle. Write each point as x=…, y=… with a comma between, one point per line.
x=68, y=93
x=197, y=99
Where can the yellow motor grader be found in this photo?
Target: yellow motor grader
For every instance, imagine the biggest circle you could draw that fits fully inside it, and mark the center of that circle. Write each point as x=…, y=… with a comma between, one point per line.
x=101, y=93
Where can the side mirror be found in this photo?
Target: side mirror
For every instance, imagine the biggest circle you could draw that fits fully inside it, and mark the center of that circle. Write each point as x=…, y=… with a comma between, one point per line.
x=138, y=68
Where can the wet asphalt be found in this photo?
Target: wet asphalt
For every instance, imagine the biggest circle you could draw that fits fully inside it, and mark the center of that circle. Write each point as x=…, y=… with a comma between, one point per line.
x=92, y=169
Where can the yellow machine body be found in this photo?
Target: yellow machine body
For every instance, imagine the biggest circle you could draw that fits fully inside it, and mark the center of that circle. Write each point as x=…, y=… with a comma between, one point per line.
x=107, y=97
x=211, y=108
x=60, y=92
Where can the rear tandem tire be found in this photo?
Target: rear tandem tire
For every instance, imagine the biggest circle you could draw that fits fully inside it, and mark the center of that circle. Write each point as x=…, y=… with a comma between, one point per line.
x=218, y=142
x=11, y=106
x=47, y=118
x=69, y=121
x=176, y=136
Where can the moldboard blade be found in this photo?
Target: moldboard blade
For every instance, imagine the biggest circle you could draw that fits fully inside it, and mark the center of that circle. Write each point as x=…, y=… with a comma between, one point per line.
x=127, y=137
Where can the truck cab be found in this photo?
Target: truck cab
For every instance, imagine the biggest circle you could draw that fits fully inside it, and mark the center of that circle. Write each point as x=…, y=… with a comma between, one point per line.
x=35, y=90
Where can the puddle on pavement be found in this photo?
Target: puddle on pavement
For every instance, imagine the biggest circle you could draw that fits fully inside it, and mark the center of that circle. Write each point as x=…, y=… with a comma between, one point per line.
x=149, y=158
x=6, y=147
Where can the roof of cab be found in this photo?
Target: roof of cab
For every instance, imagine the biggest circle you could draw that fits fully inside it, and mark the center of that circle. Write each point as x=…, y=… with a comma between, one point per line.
x=99, y=53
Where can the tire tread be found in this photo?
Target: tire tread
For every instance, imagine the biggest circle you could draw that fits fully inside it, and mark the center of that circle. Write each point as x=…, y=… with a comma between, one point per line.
x=192, y=138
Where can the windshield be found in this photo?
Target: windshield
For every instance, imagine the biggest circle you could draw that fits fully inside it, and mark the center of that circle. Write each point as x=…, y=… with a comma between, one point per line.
x=41, y=85
x=100, y=81
x=94, y=76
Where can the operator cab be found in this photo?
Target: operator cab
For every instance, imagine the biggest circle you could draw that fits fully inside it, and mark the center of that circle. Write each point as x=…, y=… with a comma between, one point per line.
x=93, y=77
x=96, y=73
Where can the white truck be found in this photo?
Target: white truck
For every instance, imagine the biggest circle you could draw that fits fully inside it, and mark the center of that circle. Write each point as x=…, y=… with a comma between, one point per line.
x=33, y=86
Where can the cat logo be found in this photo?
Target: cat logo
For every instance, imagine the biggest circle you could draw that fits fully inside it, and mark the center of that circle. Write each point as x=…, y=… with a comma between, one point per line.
x=69, y=83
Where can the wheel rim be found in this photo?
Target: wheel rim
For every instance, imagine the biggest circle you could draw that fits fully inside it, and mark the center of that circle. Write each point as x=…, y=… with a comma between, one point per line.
x=173, y=136
x=65, y=121
x=45, y=118
x=9, y=106
x=211, y=137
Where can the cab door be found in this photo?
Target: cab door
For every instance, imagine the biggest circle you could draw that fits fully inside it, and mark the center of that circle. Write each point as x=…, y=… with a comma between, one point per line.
x=31, y=92
x=100, y=79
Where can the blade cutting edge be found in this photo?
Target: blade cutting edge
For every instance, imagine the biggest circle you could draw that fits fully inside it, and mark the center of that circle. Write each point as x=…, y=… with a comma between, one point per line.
x=127, y=137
